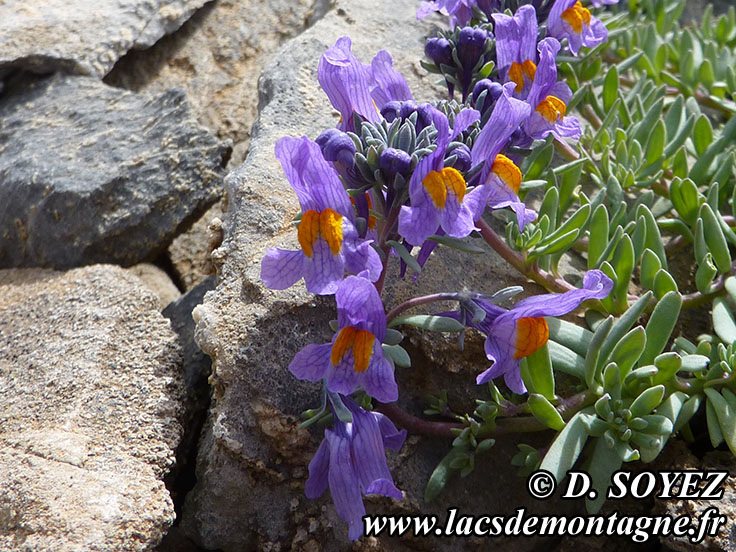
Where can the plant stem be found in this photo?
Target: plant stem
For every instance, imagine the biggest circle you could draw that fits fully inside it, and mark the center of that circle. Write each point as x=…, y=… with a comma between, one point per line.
x=393, y=216
x=416, y=301
x=504, y=426
x=566, y=150
x=543, y=278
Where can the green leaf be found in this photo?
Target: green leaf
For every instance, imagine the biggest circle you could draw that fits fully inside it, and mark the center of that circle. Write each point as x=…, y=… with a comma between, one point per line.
x=664, y=283
x=660, y=326
x=688, y=410
x=566, y=361
x=536, y=164
x=655, y=144
x=670, y=408
x=714, y=428
x=398, y=354
x=549, y=207
x=566, y=448
x=668, y=365
x=723, y=322
x=705, y=274
x=702, y=134
x=593, y=360
x=570, y=335
x=623, y=265
x=405, y=255
x=393, y=337
x=715, y=239
x=575, y=222
x=428, y=322
x=601, y=466
x=726, y=414
x=540, y=372
x=679, y=139
x=647, y=401
x=653, y=239
x=598, y=235
x=621, y=327
x=441, y=475
x=543, y=411
x=610, y=89
x=650, y=265
x=486, y=70
x=629, y=350
x=457, y=243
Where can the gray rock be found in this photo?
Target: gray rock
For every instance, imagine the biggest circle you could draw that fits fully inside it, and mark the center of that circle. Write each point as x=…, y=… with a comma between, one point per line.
x=694, y=9
x=156, y=279
x=680, y=458
x=88, y=427
x=83, y=36
x=195, y=369
x=90, y=173
x=252, y=458
x=216, y=57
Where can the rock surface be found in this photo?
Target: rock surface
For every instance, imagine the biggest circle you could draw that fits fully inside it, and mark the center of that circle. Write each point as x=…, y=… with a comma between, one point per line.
x=158, y=282
x=90, y=400
x=83, y=36
x=217, y=57
x=252, y=458
x=90, y=173
x=195, y=369
x=680, y=458
x=190, y=252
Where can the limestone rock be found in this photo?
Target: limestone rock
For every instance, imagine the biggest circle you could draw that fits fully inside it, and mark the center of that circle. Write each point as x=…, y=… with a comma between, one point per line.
x=195, y=368
x=83, y=36
x=217, y=57
x=252, y=459
x=725, y=540
x=190, y=251
x=90, y=173
x=158, y=282
x=91, y=397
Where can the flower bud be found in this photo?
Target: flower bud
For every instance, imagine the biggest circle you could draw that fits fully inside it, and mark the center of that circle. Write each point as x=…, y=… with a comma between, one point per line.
x=470, y=46
x=464, y=160
x=336, y=146
x=439, y=50
x=395, y=161
x=494, y=91
x=391, y=110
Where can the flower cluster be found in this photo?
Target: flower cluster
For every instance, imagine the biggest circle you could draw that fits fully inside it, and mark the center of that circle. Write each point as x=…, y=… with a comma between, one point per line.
x=396, y=174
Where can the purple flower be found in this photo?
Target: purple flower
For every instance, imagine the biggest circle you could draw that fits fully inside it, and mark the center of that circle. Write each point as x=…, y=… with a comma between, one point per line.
x=336, y=146
x=355, y=356
x=327, y=233
x=439, y=50
x=599, y=3
x=569, y=19
x=438, y=193
x=519, y=332
x=352, y=461
x=470, y=49
x=459, y=11
x=516, y=47
x=387, y=83
x=353, y=87
x=548, y=99
x=500, y=178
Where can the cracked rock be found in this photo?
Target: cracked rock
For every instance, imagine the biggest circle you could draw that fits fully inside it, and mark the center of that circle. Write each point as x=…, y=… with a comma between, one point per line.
x=90, y=173
x=90, y=400
x=83, y=36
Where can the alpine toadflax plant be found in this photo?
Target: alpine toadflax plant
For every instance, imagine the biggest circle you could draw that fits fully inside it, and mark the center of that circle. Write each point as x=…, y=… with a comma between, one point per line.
x=558, y=145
